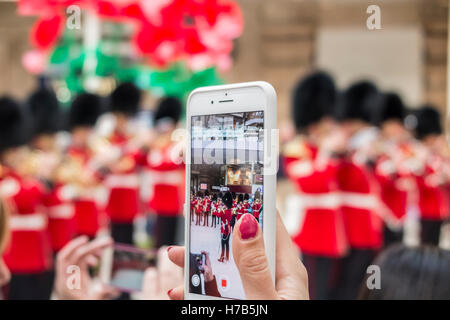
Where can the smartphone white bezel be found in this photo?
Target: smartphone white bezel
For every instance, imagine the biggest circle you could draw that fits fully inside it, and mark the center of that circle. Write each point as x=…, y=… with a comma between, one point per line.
x=240, y=97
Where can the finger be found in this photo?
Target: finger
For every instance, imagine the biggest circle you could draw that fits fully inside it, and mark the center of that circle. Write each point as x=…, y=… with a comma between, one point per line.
x=176, y=293
x=170, y=275
x=291, y=277
x=92, y=260
x=150, y=285
x=92, y=247
x=176, y=255
x=250, y=258
x=71, y=247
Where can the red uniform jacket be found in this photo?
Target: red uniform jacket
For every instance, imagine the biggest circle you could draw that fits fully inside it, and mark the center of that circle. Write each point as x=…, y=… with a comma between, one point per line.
x=167, y=183
x=433, y=200
x=123, y=200
x=87, y=211
x=359, y=195
x=256, y=207
x=61, y=212
x=225, y=217
x=322, y=232
x=28, y=250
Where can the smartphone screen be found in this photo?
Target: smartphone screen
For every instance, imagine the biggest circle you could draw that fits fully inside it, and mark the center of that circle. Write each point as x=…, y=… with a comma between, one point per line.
x=124, y=267
x=226, y=182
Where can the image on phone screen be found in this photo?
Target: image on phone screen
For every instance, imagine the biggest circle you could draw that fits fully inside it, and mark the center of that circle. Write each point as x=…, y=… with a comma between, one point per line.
x=127, y=267
x=226, y=182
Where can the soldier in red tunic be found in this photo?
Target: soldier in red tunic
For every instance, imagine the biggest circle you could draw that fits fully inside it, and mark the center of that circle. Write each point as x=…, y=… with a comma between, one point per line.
x=256, y=208
x=311, y=161
x=225, y=228
x=392, y=153
x=46, y=114
x=85, y=188
x=358, y=186
x=122, y=181
x=433, y=182
x=206, y=210
x=28, y=253
x=166, y=175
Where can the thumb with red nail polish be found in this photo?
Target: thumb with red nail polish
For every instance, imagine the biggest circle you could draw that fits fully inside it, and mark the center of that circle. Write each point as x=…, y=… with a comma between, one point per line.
x=250, y=258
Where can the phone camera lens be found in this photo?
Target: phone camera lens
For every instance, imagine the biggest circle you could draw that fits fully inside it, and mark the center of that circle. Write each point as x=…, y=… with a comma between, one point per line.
x=212, y=101
x=226, y=93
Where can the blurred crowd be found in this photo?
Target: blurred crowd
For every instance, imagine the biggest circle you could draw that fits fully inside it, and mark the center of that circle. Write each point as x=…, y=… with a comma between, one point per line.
x=92, y=168
x=364, y=167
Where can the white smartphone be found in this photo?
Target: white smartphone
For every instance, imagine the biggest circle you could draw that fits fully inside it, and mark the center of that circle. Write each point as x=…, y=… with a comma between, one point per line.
x=231, y=166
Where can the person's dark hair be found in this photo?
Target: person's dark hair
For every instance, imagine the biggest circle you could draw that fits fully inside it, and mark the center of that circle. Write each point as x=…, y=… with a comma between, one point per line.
x=314, y=98
x=411, y=273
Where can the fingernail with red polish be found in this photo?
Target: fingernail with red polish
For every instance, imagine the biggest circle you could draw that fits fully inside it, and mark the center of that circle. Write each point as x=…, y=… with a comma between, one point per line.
x=248, y=227
x=168, y=248
x=168, y=292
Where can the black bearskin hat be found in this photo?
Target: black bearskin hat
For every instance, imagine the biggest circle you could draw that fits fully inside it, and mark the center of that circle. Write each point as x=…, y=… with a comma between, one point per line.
x=126, y=99
x=14, y=129
x=246, y=196
x=45, y=112
x=85, y=110
x=361, y=101
x=227, y=200
x=240, y=197
x=233, y=194
x=214, y=197
x=169, y=108
x=314, y=97
x=392, y=108
x=428, y=122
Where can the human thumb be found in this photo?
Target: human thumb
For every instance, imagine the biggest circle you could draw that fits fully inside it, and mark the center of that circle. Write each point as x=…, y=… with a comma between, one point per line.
x=250, y=258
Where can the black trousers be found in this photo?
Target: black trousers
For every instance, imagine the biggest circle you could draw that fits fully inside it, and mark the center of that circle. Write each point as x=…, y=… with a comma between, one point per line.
x=354, y=270
x=37, y=286
x=323, y=276
x=391, y=237
x=430, y=231
x=166, y=229
x=122, y=232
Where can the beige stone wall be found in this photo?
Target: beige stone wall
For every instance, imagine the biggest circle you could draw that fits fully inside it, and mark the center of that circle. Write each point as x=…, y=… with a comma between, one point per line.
x=278, y=44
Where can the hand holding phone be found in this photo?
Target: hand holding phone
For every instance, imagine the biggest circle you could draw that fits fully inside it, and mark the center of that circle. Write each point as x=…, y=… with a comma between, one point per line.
x=231, y=157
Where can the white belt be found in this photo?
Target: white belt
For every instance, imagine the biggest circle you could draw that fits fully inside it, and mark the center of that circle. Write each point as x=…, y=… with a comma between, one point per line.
x=334, y=200
x=122, y=181
x=174, y=177
x=62, y=211
x=28, y=222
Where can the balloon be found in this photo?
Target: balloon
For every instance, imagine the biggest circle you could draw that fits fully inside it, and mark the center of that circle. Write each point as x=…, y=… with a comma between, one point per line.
x=46, y=31
x=34, y=61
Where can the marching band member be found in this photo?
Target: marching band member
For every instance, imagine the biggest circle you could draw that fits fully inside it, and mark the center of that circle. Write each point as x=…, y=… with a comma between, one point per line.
x=165, y=175
x=206, y=210
x=397, y=182
x=28, y=252
x=311, y=162
x=358, y=186
x=225, y=228
x=433, y=200
x=84, y=188
x=45, y=111
x=256, y=207
x=122, y=181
